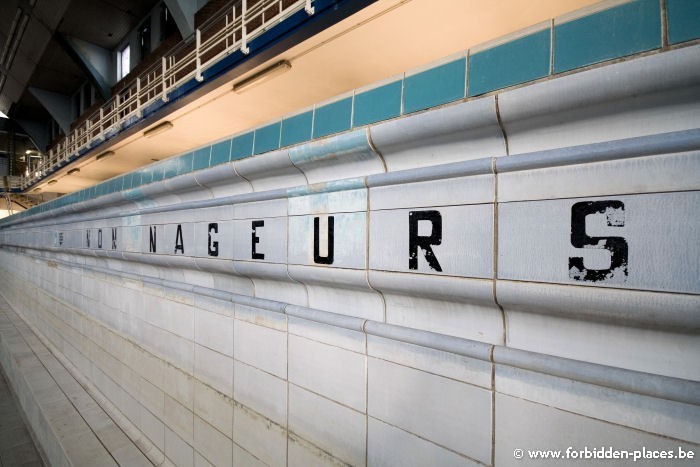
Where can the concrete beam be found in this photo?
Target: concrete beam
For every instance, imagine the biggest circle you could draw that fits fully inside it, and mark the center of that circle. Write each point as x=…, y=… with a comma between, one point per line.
x=93, y=60
x=58, y=106
x=183, y=13
x=36, y=131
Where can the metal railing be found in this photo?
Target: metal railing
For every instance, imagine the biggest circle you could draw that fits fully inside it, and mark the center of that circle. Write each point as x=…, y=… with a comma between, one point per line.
x=218, y=38
x=10, y=183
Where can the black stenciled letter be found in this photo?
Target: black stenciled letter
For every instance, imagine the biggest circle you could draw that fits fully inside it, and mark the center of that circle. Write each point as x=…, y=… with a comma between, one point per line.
x=328, y=259
x=179, y=245
x=425, y=242
x=213, y=247
x=255, y=239
x=617, y=246
x=114, y=238
x=152, y=243
x=87, y=237
x=99, y=238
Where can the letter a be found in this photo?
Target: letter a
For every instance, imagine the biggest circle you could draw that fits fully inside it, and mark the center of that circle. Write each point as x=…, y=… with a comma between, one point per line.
x=179, y=245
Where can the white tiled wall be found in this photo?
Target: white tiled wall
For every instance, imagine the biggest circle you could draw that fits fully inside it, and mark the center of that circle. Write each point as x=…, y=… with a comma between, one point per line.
x=203, y=356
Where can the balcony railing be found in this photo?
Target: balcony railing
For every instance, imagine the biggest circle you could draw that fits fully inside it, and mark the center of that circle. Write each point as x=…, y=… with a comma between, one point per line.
x=218, y=38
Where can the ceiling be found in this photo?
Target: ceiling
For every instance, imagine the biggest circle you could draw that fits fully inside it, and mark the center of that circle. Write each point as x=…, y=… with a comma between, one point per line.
x=104, y=22
x=384, y=39
x=41, y=62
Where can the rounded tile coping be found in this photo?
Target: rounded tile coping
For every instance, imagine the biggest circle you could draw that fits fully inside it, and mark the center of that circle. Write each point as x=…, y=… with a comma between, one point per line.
x=124, y=204
x=664, y=387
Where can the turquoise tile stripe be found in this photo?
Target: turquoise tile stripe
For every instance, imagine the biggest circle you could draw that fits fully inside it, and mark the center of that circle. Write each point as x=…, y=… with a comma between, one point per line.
x=147, y=176
x=521, y=60
x=184, y=163
x=158, y=171
x=220, y=153
x=296, y=129
x=267, y=138
x=126, y=181
x=616, y=32
x=332, y=118
x=683, y=18
x=623, y=30
x=375, y=105
x=242, y=146
x=201, y=158
x=436, y=86
x=170, y=168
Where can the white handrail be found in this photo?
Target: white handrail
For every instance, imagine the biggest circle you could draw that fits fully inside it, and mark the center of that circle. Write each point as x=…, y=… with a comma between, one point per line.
x=161, y=78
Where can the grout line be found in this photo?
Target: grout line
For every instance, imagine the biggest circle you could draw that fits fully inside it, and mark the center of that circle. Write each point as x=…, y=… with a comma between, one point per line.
x=503, y=132
x=502, y=311
x=664, y=24
x=352, y=110
x=466, y=74
x=367, y=225
x=286, y=384
x=367, y=393
x=493, y=407
x=551, y=47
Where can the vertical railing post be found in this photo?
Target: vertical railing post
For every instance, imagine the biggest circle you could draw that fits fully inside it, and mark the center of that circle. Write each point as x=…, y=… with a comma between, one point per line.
x=226, y=33
x=233, y=27
x=164, y=97
x=309, y=8
x=102, y=123
x=138, y=97
x=244, y=32
x=116, y=111
x=198, y=43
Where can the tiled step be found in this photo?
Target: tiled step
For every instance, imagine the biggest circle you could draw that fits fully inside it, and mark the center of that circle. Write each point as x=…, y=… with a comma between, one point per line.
x=68, y=423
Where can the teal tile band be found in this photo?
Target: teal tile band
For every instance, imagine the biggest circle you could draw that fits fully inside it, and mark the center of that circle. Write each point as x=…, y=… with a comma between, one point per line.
x=126, y=181
x=242, y=146
x=201, y=158
x=436, y=86
x=147, y=176
x=267, y=138
x=220, y=153
x=184, y=163
x=170, y=168
x=296, y=129
x=158, y=171
x=375, y=105
x=332, y=118
x=623, y=30
x=519, y=61
x=683, y=18
x=135, y=180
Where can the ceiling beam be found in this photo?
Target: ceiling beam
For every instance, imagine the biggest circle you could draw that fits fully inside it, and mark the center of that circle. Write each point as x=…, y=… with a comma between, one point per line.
x=36, y=132
x=27, y=38
x=93, y=60
x=56, y=104
x=183, y=13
